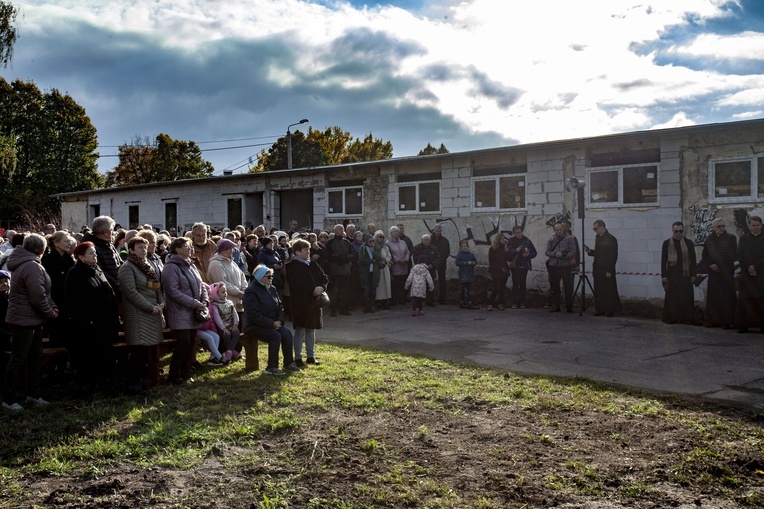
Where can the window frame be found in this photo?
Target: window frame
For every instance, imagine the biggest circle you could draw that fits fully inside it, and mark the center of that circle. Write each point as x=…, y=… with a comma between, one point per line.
x=343, y=190
x=620, y=170
x=753, y=196
x=416, y=184
x=497, y=193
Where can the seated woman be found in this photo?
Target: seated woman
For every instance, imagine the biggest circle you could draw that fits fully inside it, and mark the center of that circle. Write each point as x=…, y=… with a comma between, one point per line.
x=265, y=320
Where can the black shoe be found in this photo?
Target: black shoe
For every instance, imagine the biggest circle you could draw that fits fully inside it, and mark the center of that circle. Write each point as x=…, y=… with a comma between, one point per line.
x=313, y=360
x=346, y=313
x=554, y=310
x=726, y=326
x=334, y=313
x=300, y=363
x=442, y=302
x=599, y=314
x=609, y=315
x=569, y=310
x=743, y=330
x=430, y=304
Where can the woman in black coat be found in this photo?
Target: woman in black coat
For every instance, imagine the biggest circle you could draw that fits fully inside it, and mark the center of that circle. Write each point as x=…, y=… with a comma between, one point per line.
x=93, y=316
x=57, y=262
x=265, y=320
x=306, y=282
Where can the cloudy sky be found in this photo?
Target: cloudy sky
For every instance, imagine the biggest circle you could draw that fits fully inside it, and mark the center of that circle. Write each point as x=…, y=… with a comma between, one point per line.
x=467, y=73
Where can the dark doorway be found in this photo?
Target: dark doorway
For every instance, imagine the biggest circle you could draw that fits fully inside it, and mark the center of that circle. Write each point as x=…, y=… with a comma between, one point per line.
x=296, y=205
x=170, y=215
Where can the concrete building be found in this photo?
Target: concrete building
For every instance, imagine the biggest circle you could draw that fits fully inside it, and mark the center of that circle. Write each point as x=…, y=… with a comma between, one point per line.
x=638, y=183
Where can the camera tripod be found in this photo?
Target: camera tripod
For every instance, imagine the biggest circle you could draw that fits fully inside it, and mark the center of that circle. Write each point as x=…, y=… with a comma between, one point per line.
x=583, y=282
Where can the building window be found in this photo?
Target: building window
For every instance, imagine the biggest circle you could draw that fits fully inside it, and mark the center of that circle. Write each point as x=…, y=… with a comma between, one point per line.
x=498, y=193
x=419, y=197
x=624, y=186
x=736, y=180
x=345, y=201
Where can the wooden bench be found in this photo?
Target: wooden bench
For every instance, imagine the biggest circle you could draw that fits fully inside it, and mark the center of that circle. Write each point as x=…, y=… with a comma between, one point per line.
x=155, y=353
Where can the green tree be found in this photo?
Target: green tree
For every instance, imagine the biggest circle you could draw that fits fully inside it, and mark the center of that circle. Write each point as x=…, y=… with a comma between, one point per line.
x=430, y=150
x=8, y=31
x=331, y=146
x=52, y=146
x=368, y=149
x=162, y=160
x=306, y=152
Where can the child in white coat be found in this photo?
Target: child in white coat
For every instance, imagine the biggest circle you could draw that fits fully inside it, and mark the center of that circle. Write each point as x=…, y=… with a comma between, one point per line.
x=418, y=282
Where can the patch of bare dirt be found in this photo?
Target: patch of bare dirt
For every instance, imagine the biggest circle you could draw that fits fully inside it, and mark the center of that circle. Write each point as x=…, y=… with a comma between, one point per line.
x=420, y=457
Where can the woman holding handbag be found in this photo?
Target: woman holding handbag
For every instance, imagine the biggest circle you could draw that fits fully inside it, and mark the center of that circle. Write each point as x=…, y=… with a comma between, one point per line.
x=307, y=281
x=186, y=303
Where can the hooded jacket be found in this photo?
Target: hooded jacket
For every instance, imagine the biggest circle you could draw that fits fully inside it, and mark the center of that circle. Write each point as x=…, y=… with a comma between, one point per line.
x=30, y=302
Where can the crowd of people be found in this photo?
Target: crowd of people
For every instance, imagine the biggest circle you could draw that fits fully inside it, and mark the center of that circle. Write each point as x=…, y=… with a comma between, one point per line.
x=210, y=287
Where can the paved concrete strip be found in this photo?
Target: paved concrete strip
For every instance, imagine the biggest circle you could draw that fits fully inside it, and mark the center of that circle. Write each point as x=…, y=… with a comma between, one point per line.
x=714, y=365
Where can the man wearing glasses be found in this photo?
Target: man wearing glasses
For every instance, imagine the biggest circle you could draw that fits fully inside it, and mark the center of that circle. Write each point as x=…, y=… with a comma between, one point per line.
x=678, y=269
x=605, y=253
x=719, y=252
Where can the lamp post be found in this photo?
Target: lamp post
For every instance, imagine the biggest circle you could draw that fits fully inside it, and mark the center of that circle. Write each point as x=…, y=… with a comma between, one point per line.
x=289, y=141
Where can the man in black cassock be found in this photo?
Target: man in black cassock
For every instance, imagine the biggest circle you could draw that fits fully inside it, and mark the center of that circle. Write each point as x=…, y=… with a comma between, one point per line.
x=719, y=253
x=750, y=254
x=605, y=253
x=678, y=270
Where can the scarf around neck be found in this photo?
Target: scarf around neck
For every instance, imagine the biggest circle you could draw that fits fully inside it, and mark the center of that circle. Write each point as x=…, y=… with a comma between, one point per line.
x=144, y=266
x=672, y=256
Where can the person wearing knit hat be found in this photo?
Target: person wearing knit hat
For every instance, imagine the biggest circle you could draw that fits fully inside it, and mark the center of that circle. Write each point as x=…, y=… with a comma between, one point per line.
x=225, y=245
x=271, y=258
x=224, y=269
x=264, y=319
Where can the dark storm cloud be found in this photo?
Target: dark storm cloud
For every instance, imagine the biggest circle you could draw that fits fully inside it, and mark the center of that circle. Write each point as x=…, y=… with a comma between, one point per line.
x=625, y=87
x=483, y=86
x=133, y=85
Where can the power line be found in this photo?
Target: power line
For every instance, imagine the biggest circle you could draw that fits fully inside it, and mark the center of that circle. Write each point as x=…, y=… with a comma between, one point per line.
x=200, y=142
x=211, y=149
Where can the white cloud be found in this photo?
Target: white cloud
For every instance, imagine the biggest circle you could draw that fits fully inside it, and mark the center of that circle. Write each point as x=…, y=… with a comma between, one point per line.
x=471, y=72
x=746, y=45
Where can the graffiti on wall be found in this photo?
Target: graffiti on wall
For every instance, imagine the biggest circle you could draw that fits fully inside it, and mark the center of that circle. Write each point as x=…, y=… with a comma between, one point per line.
x=480, y=232
x=557, y=218
x=701, y=222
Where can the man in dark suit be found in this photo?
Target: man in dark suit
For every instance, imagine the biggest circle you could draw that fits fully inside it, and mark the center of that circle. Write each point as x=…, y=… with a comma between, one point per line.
x=605, y=253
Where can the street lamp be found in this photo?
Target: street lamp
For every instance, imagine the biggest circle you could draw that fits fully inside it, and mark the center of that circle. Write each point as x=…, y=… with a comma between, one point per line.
x=289, y=141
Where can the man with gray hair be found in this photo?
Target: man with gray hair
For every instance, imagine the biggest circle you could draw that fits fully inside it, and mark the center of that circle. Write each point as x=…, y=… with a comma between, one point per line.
x=6, y=246
x=108, y=257
x=204, y=249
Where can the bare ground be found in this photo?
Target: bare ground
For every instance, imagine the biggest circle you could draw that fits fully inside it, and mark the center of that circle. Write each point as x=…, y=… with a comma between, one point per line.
x=468, y=456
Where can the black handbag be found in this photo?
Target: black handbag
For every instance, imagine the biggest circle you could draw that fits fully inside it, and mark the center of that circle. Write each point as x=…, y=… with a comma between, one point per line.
x=202, y=315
